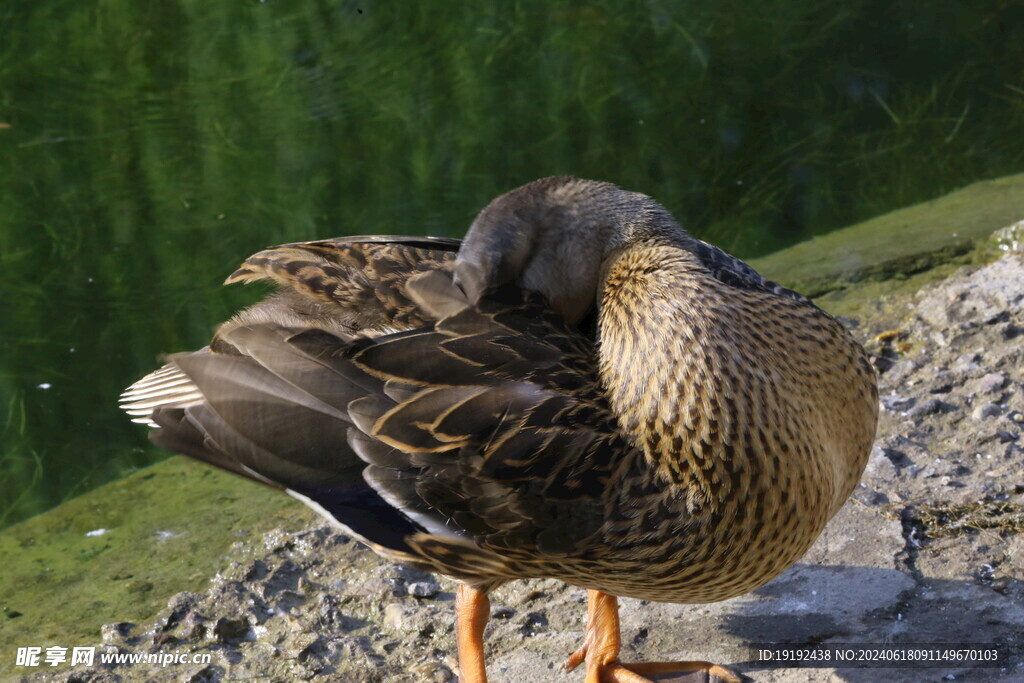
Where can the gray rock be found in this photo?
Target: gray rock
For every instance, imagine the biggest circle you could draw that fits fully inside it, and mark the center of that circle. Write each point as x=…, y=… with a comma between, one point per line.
x=396, y=616
x=1006, y=436
x=967, y=364
x=895, y=402
x=991, y=382
x=205, y=674
x=986, y=411
x=900, y=370
x=981, y=296
x=928, y=406
x=423, y=589
x=880, y=465
x=228, y=630
x=942, y=382
x=116, y=633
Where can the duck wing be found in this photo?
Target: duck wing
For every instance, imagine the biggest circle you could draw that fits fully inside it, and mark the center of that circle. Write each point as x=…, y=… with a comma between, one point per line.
x=734, y=272
x=356, y=283
x=351, y=286
x=501, y=428
x=484, y=428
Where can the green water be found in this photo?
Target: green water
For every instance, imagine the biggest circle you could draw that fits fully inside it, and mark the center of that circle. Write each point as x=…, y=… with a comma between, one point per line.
x=147, y=146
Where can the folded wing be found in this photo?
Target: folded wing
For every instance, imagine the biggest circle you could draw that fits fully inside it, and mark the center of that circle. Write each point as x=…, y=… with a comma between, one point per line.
x=374, y=392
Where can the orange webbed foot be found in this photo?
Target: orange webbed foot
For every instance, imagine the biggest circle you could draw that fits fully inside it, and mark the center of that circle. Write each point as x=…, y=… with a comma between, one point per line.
x=601, y=645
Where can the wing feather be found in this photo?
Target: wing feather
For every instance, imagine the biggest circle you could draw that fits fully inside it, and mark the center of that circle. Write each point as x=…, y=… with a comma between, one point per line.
x=372, y=390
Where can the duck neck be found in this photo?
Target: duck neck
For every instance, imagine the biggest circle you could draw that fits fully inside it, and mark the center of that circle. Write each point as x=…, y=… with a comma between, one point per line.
x=656, y=369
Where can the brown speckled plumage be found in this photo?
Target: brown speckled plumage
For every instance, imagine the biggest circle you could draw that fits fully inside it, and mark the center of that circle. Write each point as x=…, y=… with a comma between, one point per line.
x=583, y=392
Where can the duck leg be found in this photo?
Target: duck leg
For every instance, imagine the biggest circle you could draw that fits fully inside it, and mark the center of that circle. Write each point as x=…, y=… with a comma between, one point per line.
x=472, y=610
x=601, y=645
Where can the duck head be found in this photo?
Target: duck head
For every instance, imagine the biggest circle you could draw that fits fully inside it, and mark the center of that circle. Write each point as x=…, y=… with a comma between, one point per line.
x=556, y=236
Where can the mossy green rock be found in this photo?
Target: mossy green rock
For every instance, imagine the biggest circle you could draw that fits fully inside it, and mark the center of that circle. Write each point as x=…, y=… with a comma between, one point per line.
x=899, y=243
x=119, y=552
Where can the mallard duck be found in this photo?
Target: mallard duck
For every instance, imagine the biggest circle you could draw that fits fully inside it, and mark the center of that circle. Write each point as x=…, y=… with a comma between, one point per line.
x=579, y=390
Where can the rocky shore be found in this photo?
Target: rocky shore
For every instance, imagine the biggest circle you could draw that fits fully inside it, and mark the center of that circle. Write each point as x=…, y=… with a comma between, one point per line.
x=928, y=551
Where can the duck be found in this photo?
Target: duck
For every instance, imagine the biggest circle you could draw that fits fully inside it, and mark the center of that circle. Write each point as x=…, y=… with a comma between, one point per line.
x=578, y=390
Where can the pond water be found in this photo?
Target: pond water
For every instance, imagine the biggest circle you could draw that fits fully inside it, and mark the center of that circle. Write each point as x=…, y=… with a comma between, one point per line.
x=147, y=147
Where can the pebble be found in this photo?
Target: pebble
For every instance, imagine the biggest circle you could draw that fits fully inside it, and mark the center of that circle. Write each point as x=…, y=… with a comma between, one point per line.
x=206, y=673
x=432, y=672
x=502, y=612
x=377, y=587
x=423, y=589
x=894, y=402
x=113, y=633
x=943, y=382
x=394, y=616
x=410, y=618
x=872, y=497
x=532, y=623
x=968, y=362
x=927, y=407
x=900, y=369
x=986, y=411
x=192, y=626
x=991, y=382
x=227, y=630
x=182, y=601
x=1005, y=436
